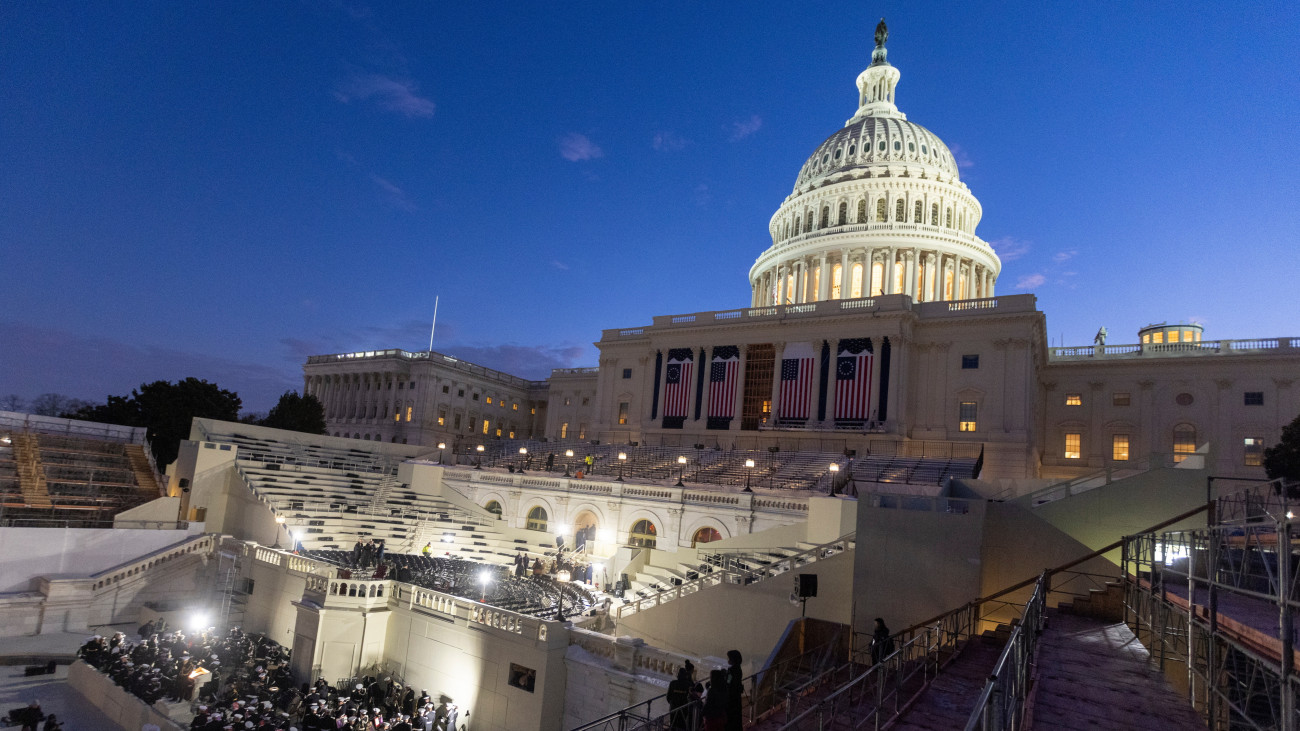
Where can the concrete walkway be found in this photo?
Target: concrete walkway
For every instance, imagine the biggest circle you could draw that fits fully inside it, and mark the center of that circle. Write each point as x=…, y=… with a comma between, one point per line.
x=55, y=696
x=1096, y=675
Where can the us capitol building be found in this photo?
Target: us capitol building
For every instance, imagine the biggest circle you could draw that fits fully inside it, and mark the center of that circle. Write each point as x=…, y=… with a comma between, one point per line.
x=873, y=326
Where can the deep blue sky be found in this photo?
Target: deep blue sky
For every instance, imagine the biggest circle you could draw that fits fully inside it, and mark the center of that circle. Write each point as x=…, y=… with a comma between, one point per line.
x=221, y=189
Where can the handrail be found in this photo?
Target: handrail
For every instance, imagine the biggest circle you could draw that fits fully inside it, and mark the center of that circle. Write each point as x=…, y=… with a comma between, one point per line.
x=1020, y=650
x=1058, y=569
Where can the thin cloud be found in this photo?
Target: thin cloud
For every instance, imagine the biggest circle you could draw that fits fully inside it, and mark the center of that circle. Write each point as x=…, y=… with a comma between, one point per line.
x=560, y=265
x=745, y=128
x=578, y=148
x=668, y=142
x=1031, y=281
x=395, y=195
x=394, y=95
x=1009, y=248
x=1063, y=256
x=960, y=157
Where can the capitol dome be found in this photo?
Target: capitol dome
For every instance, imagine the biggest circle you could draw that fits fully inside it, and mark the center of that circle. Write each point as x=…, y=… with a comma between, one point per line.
x=878, y=208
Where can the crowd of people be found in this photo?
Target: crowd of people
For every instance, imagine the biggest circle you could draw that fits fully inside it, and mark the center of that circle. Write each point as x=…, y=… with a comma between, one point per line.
x=715, y=705
x=248, y=686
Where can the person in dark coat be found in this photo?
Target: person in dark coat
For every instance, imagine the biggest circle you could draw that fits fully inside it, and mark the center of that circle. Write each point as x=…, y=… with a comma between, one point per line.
x=882, y=644
x=715, y=701
x=735, y=691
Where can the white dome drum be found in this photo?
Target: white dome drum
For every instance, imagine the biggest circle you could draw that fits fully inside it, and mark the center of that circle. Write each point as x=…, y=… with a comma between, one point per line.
x=879, y=208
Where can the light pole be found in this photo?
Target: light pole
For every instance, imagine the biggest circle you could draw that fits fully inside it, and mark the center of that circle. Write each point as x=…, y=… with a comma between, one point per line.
x=441, y=446
x=835, y=471
x=561, y=578
x=479, y=449
x=749, y=468
x=523, y=456
x=681, y=471
x=568, y=455
x=622, y=457
x=484, y=578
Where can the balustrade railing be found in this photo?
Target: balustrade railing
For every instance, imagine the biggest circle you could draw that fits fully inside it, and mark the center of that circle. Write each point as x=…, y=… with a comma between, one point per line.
x=1200, y=347
x=1001, y=703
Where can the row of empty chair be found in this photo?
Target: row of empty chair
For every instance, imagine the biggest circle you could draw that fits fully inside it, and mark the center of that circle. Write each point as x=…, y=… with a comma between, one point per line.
x=76, y=481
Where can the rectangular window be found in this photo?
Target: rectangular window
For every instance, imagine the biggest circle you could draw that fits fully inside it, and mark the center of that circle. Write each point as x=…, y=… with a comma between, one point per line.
x=585, y=400
x=1254, y=398
x=475, y=397
x=1157, y=337
x=1119, y=447
x=1074, y=399
x=966, y=416
x=1119, y=398
x=486, y=426
x=622, y=412
x=456, y=422
x=514, y=406
x=398, y=415
x=1254, y=451
x=1173, y=336
x=564, y=430
x=408, y=413
x=460, y=393
x=627, y=373
x=445, y=389
x=442, y=417
x=533, y=411
x=970, y=362
x=1072, y=442
x=489, y=400
x=582, y=431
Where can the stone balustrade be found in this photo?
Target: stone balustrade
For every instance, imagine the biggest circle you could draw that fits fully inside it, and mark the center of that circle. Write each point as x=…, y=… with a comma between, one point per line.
x=1253, y=346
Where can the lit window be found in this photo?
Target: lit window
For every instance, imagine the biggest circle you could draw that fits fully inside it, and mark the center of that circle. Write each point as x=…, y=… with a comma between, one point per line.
x=1254, y=451
x=409, y=409
x=643, y=534
x=1119, y=447
x=1173, y=336
x=1187, y=336
x=442, y=417
x=1146, y=338
x=855, y=289
x=533, y=411
x=1072, y=442
x=489, y=400
x=837, y=275
x=398, y=416
x=1254, y=398
x=486, y=426
x=1184, y=441
x=1119, y=398
x=537, y=519
x=564, y=430
x=1157, y=337
x=514, y=406
x=970, y=362
x=966, y=416
x=1073, y=399
x=622, y=412
x=877, y=278
x=582, y=431
x=498, y=431
x=512, y=435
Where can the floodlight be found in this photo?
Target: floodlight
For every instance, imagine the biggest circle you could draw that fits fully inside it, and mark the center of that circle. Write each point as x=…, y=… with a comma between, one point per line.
x=279, y=519
x=485, y=577
x=563, y=576
x=622, y=455
x=448, y=537
x=523, y=450
x=568, y=453
x=749, y=463
x=681, y=460
x=442, y=445
x=835, y=467
x=199, y=621
x=479, y=448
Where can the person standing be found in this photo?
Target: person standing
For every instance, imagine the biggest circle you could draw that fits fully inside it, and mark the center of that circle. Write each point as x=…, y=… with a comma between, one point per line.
x=882, y=644
x=735, y=691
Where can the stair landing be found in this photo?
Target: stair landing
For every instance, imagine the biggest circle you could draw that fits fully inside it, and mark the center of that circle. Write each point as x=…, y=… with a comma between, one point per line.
x=1094, y=674
x=947, y=703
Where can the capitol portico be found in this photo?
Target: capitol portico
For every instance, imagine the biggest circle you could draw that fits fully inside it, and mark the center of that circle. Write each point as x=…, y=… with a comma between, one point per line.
x=879, y=208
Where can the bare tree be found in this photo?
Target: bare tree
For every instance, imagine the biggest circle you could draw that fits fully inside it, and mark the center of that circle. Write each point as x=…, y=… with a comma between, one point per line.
x=12, y=402
x=55, y=404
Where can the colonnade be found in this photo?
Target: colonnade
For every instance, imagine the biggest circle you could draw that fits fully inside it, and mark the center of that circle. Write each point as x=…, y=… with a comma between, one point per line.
x=924, y=275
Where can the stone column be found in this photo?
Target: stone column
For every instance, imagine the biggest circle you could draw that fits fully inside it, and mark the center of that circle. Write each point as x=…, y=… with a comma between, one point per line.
x=823, y=279
x=909, y=277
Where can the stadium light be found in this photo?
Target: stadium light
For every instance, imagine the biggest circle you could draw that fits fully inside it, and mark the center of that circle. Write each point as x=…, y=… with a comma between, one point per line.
x=681, y=471
x=484, y=578
x=199, y=621
x=749, y=468
x=622, y=457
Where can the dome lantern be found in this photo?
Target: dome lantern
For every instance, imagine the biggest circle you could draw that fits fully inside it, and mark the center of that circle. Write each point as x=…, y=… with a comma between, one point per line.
x=876, y=84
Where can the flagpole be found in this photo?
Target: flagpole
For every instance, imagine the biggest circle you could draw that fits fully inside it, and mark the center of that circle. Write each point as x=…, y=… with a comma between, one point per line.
x=435, y=322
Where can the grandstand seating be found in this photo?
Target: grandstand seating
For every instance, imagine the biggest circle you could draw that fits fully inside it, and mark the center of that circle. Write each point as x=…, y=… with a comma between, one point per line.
x=78, y=481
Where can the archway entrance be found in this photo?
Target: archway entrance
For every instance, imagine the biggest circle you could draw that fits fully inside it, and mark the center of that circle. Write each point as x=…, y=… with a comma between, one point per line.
x=584, y=529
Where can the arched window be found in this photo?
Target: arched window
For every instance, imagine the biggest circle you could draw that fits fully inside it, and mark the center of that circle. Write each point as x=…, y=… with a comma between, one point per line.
x=900, y=211
x=705, y=535
x=880, y=207
x=1184, y=441
x=947, y=217
x=797, y=222
x=947, y=283
x=826, y=216
x=816, y=284
x=918, y=215
x=493, y=507
x=862, y=211
x=877, y=278
x=789, y=289
x=961, y=220
x=837, y=276
x=643, y=534
x=934, y=214
x=855, y=288
x=537, y=519
x=900, y=273
x=786, y=235
x=844, y=213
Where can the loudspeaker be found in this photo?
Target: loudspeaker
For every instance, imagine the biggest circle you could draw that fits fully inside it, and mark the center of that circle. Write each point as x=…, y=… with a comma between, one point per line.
x=805, y=585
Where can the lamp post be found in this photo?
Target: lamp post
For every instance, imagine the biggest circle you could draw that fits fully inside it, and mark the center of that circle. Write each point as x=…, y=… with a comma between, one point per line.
x=622, y=457
x=441, y=446
x=749, y=469
x=561, y=578
x=681, y=471
x=523, y=457
x=699, y=459
x=484, y=578
x=568, y=455
x=835, y=471
x=479, y=449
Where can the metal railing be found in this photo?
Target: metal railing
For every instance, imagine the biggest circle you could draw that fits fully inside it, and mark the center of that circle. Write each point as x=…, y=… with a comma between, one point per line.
x=1001, y=704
